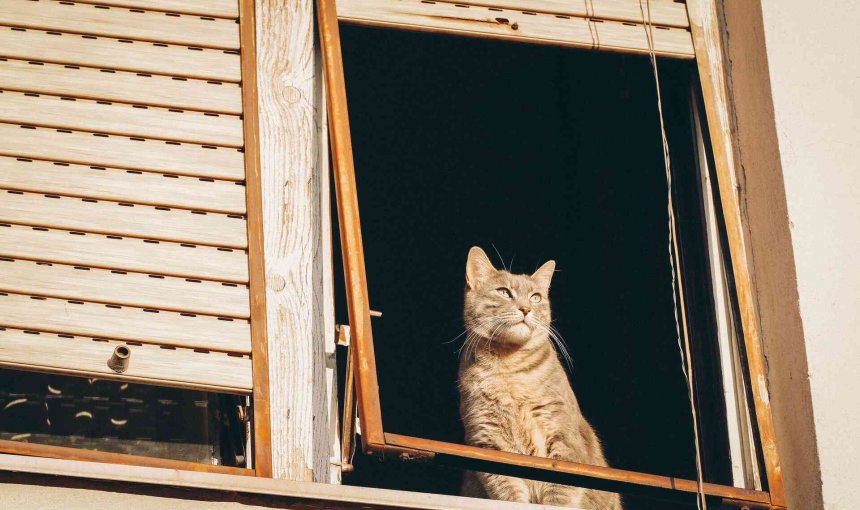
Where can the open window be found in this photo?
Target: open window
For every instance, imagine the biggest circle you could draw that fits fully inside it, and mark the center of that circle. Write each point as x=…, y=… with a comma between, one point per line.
x=435, y=160
x=132, y=308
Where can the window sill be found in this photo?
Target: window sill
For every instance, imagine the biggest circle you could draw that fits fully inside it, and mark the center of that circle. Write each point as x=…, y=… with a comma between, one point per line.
x=214, y=486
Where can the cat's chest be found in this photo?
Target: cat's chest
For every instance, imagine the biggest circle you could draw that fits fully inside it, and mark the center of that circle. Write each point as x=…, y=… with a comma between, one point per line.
x=517, y=391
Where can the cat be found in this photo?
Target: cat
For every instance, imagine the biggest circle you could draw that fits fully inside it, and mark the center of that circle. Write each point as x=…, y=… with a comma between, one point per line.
x=514, y=392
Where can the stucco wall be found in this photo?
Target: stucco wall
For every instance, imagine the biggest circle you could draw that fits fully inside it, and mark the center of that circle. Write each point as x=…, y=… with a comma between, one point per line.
x=813, y=53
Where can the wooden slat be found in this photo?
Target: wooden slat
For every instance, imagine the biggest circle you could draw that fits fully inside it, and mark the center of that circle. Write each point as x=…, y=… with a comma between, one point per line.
x=123, y=86
x=206, y=64
x=128, y=253
x=121, y=185
x=185, y=368
x=514, y=25
x=118, y=151
x=124, y=323
x=120, y=118
x=216, y=8
x=121, y=23
x=112, y=218
x=116, y=287
x=663, y=12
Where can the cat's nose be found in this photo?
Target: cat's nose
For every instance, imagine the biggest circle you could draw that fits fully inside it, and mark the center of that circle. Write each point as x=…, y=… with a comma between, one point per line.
x=525, y=310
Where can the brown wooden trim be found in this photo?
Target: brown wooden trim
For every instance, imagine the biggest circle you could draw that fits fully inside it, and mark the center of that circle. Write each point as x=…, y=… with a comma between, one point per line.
x=707, y=39
x=367, y=386
x=64, y=452
x=256, y=265
x=604, y=478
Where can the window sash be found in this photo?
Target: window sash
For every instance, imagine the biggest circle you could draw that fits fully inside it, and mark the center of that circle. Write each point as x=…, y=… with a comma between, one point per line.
x=706, y=49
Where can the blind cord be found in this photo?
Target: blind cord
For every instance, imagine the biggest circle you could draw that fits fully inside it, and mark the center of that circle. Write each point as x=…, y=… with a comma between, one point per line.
x=686, y=368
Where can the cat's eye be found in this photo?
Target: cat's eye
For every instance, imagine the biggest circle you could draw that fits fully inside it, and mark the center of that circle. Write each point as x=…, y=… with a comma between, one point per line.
x=535, y=298
x=504, y=292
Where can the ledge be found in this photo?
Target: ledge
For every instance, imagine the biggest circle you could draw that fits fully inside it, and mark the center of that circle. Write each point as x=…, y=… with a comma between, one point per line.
x=125, y=482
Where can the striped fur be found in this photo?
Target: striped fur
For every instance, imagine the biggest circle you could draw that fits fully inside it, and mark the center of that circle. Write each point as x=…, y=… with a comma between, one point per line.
x=514, y=392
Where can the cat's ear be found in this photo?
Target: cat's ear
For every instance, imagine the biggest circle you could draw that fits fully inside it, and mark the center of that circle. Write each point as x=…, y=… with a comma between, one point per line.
x=543, y=276
x=478, y=267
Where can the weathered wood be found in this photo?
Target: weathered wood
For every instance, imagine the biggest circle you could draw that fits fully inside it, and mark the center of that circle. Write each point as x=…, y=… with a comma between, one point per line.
x=144, y=221
x=118, y=185
x=118, y=151
x=216, y=8
x=290, y=494
x=145, y=57
x=131, y=289
x=125, y=253
x=460, y=19
x=667, y=13
x=290, y=112
x=120, y=119
x=148, y=364
x=121, y=86
x=712, y=64
x=121, y=23
x=124, y=323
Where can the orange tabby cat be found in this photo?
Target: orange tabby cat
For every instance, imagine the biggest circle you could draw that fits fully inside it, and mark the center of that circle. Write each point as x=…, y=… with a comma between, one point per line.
x=514, y=392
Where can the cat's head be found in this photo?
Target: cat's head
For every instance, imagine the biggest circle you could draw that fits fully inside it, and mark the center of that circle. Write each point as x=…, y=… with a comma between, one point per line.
x=505, y=307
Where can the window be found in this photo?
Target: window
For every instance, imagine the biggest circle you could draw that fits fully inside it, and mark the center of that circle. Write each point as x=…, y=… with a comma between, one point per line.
x=130, y=236
x=713, y=280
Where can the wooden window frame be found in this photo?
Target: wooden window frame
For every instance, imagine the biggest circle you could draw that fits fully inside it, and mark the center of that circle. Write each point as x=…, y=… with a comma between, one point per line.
x=261, y=435
x=707, y=35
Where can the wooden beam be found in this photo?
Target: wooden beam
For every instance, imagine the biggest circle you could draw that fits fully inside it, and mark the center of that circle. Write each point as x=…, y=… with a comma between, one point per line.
x=295, y=224
x=290, y=494
x=367, y=385
x=712, y=64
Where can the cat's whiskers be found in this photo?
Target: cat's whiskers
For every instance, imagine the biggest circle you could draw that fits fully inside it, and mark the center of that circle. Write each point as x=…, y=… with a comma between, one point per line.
x=556, y=340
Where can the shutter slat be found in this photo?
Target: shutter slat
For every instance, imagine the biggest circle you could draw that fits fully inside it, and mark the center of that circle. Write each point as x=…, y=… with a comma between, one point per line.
x=121, y=23
x=206, y=64
x=123, y=86
x=147, y=364
x=144, y=221
x=122, y=185
x=130, y=289
x=120, y=119
x=124, y=323
x=480, y=21
x=129, y=254
x=117, y=151
x=217, y=8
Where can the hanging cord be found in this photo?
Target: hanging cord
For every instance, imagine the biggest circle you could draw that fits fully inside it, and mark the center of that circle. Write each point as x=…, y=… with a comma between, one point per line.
x=686, y=362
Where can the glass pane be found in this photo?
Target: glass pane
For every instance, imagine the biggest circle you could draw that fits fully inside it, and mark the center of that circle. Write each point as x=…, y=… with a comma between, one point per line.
x=119, y=417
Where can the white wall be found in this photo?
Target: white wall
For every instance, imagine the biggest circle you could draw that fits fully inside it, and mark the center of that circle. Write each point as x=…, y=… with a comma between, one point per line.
x=813, y=50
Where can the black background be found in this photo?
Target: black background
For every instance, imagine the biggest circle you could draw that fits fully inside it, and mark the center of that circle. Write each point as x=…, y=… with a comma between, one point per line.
x=539, y=153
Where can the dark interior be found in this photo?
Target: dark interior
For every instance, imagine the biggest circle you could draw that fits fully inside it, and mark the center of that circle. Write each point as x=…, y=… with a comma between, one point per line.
x=119, y=417
x=533, y=153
